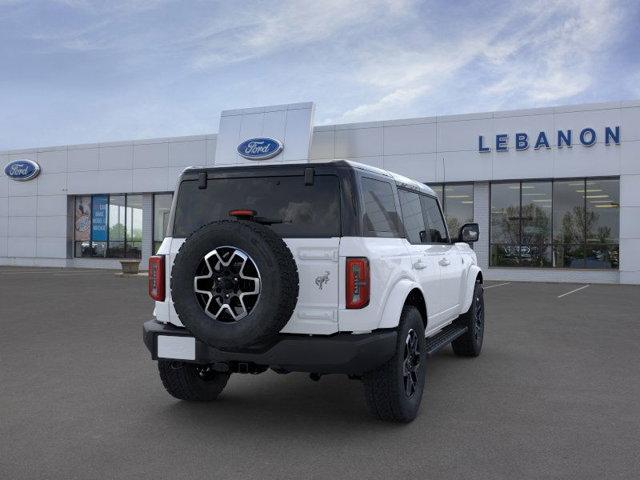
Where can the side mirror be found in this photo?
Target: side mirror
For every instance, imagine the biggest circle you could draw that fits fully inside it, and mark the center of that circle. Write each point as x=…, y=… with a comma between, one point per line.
x=469, y=232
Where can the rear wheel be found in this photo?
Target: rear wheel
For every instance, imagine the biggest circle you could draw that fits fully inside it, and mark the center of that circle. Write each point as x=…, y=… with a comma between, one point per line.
x=394, y=391
x=470, y=344
x=188, y=381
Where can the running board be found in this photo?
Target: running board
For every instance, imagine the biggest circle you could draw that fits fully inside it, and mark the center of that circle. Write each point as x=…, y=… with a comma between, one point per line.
x=443, y=338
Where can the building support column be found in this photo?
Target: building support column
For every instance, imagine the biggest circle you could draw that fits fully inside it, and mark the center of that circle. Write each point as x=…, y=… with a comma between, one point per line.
x=147, y=229
x=481, y=215
x=629, y=229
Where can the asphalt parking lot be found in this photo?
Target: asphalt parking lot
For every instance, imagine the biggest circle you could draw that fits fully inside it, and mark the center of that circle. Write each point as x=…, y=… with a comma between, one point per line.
x=555, y=394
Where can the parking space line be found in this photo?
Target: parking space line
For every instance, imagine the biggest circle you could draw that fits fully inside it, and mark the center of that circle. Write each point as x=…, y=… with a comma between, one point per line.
x=497, y=285
x=573, y=291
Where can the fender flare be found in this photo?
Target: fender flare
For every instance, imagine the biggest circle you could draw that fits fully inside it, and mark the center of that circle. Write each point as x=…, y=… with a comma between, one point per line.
x=472, y=274
x=395, y=302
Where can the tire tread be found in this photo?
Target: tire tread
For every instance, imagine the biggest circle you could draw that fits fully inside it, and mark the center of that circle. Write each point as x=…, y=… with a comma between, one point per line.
x=184, y=383
x=464, y=345
x=383, y=395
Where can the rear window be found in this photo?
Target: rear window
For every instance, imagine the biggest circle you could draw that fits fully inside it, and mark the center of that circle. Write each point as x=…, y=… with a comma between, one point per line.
x=303, y=210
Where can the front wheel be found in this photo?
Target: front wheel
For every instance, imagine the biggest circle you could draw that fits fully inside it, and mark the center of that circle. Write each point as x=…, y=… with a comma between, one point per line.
x=188, y=381
x=470, y=344
x=394, y=391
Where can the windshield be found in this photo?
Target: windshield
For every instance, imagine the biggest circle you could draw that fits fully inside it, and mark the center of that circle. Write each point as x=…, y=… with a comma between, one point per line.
x=292, y=208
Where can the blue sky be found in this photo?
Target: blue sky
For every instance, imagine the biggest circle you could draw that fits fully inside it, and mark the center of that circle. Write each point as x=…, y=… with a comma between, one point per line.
x=76, y=71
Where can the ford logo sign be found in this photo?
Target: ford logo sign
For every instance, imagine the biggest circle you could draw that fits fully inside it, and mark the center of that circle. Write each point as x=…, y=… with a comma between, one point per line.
x=22, y=170
x=260, y=148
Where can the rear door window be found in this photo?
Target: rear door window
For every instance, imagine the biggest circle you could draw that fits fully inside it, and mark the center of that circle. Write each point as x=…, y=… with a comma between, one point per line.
x=380, y=213
x=296, y=209
x=412, y=216
x=436, y=230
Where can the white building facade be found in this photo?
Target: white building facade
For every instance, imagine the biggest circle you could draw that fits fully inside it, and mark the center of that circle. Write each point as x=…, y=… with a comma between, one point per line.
x=556, y=191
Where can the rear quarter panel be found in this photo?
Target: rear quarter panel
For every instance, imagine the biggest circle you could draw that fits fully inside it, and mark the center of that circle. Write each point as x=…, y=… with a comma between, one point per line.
x=316, y=311
x=470, y=273
x=389, y=264
x=164, y=311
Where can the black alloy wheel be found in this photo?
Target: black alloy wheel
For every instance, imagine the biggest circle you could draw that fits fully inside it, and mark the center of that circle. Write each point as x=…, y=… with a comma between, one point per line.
x=411, y=363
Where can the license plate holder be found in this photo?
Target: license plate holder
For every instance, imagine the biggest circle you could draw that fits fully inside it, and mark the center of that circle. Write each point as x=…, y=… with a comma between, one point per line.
x=176, y=347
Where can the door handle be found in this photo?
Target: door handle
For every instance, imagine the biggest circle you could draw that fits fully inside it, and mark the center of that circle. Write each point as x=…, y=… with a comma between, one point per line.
x=444, y=262
x=419, y=265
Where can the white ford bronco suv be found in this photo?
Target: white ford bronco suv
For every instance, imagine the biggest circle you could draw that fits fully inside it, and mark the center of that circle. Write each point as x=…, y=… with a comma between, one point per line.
x=322, y=268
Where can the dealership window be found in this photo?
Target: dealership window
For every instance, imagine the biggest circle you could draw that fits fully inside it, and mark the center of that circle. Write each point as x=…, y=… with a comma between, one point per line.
x=563, y=224
x=108, y=226
x=133, y=229
x=161, y=210
x=117, y=219
x=456, y=200
x=586, y=223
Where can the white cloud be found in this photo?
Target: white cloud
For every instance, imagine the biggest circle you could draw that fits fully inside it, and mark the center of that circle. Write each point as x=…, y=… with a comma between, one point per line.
x=554, y=63
x=397, y=98
x=158, y=68
x=217, y=33
x=258, y=32
x=543, y=52
x=120, y=6
x=405, y=76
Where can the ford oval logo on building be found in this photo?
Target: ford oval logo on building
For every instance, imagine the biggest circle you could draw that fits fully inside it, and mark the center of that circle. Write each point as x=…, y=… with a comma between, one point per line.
x=260, y=148
x=22, y=170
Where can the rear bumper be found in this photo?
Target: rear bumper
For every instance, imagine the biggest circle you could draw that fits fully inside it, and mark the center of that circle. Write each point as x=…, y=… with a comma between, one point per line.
x=340, y=353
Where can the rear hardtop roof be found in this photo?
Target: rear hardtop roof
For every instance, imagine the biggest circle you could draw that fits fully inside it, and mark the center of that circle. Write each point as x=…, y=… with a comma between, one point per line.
x=400, y=180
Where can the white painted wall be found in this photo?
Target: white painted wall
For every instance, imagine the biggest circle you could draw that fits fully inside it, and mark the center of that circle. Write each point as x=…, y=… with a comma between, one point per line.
x=34, y=223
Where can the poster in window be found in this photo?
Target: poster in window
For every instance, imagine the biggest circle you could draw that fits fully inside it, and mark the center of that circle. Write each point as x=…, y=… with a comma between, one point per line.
x=99, y=218
x=83, y=219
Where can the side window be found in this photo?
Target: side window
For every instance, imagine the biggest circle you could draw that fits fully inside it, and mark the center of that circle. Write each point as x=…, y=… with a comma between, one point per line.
x=412, y=216
x=437, y=232
x=380, y=214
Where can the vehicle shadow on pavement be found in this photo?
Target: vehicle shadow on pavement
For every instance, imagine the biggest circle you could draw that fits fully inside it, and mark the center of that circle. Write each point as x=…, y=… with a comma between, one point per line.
x=291, y=402
x=274, y=400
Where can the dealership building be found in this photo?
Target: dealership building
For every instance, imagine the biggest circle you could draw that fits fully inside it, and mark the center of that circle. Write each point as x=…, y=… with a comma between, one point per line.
x=556, y=191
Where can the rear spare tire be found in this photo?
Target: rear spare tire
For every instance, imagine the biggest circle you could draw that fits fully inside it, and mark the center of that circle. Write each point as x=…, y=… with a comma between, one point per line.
x=234, y=284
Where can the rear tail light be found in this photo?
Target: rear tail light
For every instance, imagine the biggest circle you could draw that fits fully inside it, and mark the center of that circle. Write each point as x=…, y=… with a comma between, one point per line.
x=358, y=282
x=156, y=278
